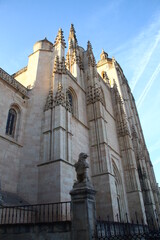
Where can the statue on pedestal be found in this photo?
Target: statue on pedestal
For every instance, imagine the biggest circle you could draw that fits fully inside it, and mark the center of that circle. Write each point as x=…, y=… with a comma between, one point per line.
x=81, y=168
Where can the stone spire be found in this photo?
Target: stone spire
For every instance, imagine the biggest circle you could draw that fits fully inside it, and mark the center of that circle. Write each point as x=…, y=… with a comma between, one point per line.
x=72, y=38
x=91, y=58
x=59, y=45
x=89, y=47
x=60, y=38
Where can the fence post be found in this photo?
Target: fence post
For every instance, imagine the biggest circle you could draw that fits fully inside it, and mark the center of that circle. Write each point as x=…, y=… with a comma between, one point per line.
x=83, y=212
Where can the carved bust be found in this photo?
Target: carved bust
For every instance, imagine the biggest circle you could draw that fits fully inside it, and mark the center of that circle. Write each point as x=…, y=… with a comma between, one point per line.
x=81, y=168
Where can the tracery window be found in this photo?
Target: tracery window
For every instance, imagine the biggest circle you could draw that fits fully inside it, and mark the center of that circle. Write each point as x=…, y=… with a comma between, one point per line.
x=11, y=122
x=72, y=101
x=70, y=98
x=119, y=193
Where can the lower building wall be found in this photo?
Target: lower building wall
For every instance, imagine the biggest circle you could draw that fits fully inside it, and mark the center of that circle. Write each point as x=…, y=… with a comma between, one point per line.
x=56, y=231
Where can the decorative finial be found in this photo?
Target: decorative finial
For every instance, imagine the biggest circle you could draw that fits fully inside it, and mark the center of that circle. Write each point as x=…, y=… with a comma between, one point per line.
x=91, y=58
x=89, y=46
x=60, y=38
x=72, y=35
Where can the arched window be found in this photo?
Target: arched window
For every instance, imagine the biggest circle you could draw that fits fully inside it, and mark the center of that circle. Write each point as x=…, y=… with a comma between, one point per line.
x=72, y=101
x=11, y=122
x=119, y=193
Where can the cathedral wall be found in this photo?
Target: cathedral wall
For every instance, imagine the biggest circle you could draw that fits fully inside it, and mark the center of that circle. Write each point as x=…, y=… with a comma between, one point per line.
x=79, y=97
x=39, y=72
x=56, y=176
x=49, y=189
x=11, y=146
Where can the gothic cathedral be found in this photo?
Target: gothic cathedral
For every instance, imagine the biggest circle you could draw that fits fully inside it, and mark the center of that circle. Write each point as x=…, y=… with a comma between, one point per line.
x=61, y=105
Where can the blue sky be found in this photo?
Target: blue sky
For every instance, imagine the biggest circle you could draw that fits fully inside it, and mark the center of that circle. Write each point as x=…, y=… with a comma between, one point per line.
x=129, y=30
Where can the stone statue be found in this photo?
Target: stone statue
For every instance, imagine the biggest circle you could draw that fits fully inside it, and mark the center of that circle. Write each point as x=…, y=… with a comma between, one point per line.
x=81, y=168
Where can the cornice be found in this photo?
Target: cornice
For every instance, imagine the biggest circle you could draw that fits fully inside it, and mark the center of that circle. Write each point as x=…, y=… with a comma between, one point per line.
x=13, y=83
x=19, y=72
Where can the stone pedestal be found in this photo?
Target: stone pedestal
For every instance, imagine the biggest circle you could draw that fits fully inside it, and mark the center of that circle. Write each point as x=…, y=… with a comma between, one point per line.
x=83, y=211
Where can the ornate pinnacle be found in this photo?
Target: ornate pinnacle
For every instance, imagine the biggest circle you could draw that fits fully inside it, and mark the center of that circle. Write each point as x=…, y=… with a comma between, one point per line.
x=59, y=98
x=75, y=57
x=59, y=67
x=60, y=38
x=67, y=61
x=72, y=34
x=56, y=65
x=70, y=44
x=49, y=101
x=89, y=47
x=63, y=66
x=91, y=58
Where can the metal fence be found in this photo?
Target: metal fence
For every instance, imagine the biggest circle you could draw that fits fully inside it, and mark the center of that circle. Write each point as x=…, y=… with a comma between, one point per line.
x=37, y=213
x=109, y=230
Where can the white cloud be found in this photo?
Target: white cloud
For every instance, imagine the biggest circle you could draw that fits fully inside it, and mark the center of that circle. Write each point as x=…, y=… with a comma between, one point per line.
x=144, y=62
x=137, y=53
x=145, y=45
x=148, y=86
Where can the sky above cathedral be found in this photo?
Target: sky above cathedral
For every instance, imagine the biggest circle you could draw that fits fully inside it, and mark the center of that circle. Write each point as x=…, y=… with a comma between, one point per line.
x=129, y=30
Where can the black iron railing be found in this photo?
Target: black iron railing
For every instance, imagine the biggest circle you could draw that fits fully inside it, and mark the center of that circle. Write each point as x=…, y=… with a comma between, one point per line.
x=37, y=213
x=109, y=230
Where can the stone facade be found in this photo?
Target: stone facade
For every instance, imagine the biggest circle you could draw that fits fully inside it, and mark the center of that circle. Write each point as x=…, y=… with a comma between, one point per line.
x=65, y=105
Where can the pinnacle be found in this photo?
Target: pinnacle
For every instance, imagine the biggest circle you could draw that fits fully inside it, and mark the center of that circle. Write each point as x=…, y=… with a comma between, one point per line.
x=89, y=46
x=72, y=33
x=60, y=38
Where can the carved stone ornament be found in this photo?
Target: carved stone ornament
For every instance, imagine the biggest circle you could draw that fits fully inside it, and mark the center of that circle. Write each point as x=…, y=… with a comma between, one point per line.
x=59, y=67
x=72, y=38
x=91, y=58
x=59, y=99
x=82, y=168
x=121, y=119
x=14, y=83
x=75, y=57
x=94, y=94
x=60, y=38
x=49, y=101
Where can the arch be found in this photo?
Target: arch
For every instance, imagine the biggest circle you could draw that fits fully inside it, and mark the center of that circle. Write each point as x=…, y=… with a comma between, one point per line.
x=12, y=124
x=103, y=73
x=119, y=191
x=72, y=99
